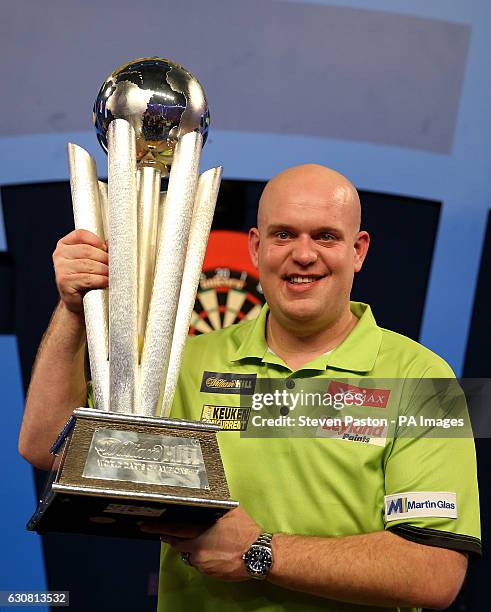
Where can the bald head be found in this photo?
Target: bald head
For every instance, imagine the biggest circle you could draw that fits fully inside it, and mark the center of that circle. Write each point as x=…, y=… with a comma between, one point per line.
x=311, y=184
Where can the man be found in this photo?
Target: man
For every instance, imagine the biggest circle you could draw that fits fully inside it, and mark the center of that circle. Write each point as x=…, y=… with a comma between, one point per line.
x=314, y=506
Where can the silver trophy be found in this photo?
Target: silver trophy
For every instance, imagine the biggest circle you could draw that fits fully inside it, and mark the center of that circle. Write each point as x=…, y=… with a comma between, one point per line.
x=126, y=459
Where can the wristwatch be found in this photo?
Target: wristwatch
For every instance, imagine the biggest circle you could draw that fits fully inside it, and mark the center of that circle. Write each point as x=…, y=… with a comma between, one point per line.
x=259, y=558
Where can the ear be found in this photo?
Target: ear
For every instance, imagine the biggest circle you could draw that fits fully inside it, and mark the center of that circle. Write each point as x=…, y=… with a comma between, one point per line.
x=362, y=242
x=254, y=246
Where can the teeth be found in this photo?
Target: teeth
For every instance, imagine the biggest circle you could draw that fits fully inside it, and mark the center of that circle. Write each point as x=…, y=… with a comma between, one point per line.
x=301, y=279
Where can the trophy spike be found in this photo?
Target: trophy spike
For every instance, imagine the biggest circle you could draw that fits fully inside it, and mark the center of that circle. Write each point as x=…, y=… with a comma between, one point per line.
x=123, y=288
x=148, y=209
x=171, y=255
x=87, y=215
x=206, y=197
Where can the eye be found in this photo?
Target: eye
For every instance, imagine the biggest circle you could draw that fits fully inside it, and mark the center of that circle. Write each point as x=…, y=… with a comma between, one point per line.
x=283, y=235
x=326, y=236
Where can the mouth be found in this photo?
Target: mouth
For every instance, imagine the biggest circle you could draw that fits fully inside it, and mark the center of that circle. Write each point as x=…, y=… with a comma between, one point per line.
x=303, y=279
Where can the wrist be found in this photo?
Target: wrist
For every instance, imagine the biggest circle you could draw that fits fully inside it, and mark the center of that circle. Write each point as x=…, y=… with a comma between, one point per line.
x=277, y=546
x=77, y=313
x=75, y=319
x=68, y=327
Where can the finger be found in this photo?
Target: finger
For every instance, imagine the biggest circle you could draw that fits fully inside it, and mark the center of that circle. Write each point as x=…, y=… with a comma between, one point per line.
x=81, y=236
x=156, y=528
x=83, y=266
x=80, y=283
x=182, y=531
x=80, y=251
x=173, y=530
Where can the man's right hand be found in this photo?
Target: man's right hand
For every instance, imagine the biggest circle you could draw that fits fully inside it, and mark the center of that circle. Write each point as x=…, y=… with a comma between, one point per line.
x=81, y=264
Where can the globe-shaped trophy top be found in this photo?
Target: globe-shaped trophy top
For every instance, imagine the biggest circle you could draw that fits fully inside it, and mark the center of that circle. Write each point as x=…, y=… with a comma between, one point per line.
x=160, y=99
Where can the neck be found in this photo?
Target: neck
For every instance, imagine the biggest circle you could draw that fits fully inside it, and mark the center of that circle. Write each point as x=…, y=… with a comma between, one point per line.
x=296, y=349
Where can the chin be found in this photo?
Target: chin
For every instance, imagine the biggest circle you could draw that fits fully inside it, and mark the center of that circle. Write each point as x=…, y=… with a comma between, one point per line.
x=303, y=316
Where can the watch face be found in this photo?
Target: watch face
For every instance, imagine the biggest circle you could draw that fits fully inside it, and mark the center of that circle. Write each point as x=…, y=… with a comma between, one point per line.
x=258, y=560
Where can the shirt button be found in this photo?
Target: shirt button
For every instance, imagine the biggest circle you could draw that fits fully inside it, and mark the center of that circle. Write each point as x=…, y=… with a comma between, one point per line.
x=290, y=383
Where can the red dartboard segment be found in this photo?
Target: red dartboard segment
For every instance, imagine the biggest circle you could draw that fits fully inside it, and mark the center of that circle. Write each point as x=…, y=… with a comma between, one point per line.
x=228, y=249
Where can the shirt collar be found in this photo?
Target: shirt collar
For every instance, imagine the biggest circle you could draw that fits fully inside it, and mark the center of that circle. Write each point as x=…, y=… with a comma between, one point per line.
x=254, y=344
x=357, y=353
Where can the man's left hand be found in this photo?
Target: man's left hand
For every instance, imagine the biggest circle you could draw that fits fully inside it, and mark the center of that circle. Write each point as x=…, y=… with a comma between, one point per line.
x=216, y=552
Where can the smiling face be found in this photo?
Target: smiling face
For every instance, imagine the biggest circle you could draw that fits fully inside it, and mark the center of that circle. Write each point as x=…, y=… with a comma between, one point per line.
x=307, y=247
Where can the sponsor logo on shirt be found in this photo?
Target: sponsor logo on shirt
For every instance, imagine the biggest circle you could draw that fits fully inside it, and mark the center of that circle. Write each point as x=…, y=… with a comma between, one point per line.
x=420, y=503
x=367, y=431
x=228, y=382
x=228, y=417
x=375, y=398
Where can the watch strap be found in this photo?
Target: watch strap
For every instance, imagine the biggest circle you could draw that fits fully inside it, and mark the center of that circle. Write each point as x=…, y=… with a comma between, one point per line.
x=264, y=539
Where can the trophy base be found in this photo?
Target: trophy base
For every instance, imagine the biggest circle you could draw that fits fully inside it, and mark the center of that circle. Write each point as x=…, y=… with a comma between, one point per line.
x=114, y=471
x=63, y=511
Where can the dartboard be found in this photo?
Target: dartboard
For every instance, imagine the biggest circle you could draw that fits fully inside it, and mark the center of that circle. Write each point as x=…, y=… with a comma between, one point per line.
x=225, y=296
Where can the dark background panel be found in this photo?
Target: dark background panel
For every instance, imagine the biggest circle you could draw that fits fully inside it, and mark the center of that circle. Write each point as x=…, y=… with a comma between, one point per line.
x=7, y=284
x=477, y=364
x=394, y=278
x=393, y=281
x=36, y=217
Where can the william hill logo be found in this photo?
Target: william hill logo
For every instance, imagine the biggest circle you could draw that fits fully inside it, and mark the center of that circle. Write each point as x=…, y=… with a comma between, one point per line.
x=411, y=505
x=228, y=382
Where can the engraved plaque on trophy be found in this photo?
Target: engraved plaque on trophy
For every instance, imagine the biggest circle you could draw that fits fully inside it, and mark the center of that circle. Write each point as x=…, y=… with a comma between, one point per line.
x=125, y=460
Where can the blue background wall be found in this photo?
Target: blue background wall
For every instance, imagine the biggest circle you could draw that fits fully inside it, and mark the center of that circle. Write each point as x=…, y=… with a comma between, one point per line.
x=393, y=93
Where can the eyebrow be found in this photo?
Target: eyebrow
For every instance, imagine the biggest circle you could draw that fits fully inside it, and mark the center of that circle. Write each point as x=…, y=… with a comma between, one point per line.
x=282, y=227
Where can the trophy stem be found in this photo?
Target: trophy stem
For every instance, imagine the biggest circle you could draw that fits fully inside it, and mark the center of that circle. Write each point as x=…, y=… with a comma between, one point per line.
x=123, y=271
x=168, y=271
x=163, y=197
x=104, y=208
x=148, y=208
x=87, y=215
x=206, y=197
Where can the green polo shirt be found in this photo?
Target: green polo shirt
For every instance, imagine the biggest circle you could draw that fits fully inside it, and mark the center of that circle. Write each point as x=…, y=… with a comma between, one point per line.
x=326, y=480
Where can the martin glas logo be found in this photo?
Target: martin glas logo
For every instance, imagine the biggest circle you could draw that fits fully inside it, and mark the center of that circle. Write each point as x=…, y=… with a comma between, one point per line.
x=397, y=505
x=420, y=503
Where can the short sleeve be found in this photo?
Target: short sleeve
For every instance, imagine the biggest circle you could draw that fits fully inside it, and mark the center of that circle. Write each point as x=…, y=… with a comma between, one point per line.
x=431, y=491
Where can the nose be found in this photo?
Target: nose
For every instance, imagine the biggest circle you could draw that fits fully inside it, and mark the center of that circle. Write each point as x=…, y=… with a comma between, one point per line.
x=304, y=252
